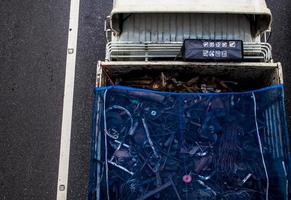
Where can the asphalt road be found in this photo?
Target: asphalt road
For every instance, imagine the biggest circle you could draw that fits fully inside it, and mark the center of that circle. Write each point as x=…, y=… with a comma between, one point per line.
x=33, y=42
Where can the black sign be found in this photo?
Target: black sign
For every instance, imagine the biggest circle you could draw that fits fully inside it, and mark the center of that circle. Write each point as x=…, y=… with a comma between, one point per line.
x=220, y=50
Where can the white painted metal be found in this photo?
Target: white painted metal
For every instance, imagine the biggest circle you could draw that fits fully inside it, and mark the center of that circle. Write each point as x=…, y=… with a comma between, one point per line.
x=257, y=8
x=181, y=63
x=281, y=76
x=198, y=6
x=97, y=147
x=68, y=102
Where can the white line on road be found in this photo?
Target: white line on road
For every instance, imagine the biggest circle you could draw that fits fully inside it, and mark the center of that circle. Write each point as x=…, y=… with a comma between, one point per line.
x=68, y=101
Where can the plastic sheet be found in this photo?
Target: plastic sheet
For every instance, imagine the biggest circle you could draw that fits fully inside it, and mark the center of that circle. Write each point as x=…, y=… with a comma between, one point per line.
x=160, y=145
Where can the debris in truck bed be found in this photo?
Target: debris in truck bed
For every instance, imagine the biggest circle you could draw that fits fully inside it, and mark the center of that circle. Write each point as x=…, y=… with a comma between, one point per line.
x=172, y=82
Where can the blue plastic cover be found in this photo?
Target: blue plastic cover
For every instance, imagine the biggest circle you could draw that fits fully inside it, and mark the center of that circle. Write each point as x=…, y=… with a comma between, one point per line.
x=158, y=145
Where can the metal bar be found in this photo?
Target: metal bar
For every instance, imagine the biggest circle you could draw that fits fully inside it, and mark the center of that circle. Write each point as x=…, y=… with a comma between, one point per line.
x=153, y=192
x=120, y=167
x=181, y=63
x=162, y=50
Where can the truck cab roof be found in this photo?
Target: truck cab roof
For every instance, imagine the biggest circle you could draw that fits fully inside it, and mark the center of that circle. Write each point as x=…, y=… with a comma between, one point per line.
x=262, y=17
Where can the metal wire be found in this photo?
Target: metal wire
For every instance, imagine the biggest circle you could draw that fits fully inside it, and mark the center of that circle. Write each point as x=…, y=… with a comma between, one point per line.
x=261, y=146
x=106, y=148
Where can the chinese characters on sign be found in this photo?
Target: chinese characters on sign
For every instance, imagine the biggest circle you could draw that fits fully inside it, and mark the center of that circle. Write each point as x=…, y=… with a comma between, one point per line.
x=212, y=50
x=217, y=53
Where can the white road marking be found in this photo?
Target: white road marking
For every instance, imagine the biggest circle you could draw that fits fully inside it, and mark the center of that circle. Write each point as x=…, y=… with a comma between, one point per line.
x=68, y=101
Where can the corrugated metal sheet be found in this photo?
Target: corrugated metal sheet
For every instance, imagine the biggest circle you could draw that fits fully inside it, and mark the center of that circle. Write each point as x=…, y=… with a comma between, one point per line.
x=177, y=27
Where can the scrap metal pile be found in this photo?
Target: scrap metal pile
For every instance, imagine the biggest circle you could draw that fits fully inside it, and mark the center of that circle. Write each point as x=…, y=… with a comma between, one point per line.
x=175, y=82
x=200, y=147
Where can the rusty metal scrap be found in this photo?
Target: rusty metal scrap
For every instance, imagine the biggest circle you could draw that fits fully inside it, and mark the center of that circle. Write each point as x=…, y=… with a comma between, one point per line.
x=172, y=82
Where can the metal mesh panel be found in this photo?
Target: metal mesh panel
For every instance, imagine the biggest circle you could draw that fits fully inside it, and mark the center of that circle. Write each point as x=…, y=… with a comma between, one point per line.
x=159, y=145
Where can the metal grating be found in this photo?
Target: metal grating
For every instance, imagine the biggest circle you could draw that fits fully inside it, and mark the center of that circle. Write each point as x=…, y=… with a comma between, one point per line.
x=253, y=51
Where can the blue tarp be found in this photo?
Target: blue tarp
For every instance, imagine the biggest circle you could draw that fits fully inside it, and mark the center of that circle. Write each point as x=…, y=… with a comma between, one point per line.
x=159, y=145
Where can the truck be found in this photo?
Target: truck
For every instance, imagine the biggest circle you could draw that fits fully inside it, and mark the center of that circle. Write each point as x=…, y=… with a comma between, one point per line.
x=189, y=104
